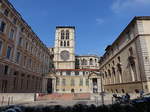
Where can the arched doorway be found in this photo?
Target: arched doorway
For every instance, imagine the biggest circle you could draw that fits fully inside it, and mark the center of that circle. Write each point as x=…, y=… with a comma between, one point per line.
x=72, y=90
x=95, y=88
x=49, y=85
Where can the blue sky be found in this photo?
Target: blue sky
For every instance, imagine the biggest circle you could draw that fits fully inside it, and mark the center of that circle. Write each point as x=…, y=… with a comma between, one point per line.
x=98, y=22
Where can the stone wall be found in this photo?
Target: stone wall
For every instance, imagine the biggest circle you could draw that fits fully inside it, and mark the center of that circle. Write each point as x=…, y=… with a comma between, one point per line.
x=16, y=98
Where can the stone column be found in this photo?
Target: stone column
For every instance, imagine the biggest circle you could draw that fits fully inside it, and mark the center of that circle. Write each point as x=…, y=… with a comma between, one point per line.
x=54, y=85
x=44, y=85
x=99, y=85
x=91, y=86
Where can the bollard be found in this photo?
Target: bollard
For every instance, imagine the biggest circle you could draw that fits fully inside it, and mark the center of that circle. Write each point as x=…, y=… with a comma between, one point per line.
x=2, y=100
x=12, y=100
x=8, y=101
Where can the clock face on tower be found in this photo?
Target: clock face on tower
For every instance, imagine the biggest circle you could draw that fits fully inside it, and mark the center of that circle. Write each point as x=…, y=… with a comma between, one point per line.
x=65, y=55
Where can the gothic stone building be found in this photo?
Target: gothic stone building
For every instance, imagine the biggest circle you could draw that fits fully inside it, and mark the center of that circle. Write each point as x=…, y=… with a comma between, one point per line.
x=73, y=74
x=126, y=63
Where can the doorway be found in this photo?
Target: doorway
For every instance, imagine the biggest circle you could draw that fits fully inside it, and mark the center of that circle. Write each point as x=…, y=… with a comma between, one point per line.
x=95, y=88
x=49, y=86
x=72, y=90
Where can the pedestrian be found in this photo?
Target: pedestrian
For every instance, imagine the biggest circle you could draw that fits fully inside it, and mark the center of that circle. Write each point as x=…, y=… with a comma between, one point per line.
x=141, y=93
x=127, y=98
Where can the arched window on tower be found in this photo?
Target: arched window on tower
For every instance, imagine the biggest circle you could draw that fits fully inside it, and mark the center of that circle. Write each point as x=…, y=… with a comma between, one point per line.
x=68, y=44
x=62, y=34
x=67, y=34
x=61, y=43
x=91, y=61
x=64, y=43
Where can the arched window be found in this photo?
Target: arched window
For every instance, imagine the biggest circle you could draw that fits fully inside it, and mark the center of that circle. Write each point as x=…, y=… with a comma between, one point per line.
x=68, y=44
x=62, y=34
x=95, y=60
x=113, y=70
x=64, y=43
x=105, y=74
x=91, y=61
x=84, y=62
x=109, y=73
x=67, y=34
x=61, y=43
x=77, y=62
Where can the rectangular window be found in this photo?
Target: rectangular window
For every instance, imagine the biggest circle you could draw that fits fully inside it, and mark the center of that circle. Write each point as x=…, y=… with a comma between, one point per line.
x=64, y=82
x=8, y=52
x=72, y=82
x=14, y=20
x=26, y=45
x=1, y=47
x=11, y=35
x=128, y=35
x=25, y=58
x=76, y=72
x=2, y=26
x=18, y=57
x=81, y=82
x=68, y=72
x=6, y=12
x=20, y=41
x=87, y=82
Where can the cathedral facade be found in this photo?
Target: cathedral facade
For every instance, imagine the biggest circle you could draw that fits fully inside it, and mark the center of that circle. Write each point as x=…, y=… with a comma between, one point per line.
x=72, y=73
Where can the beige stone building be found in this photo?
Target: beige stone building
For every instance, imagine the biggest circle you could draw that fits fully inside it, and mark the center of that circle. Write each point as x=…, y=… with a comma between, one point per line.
x=87, y=62
x=73, y=74
x=24, y=59
x=125, y=66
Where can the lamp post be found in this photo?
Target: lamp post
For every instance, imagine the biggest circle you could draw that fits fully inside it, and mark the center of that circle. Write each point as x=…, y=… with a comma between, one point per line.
x=102, y=92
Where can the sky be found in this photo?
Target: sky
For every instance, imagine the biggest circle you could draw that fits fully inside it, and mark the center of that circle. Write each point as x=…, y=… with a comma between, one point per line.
x=98, y=22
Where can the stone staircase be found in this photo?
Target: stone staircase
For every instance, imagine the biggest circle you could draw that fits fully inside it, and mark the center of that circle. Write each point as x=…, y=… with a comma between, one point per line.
x=64, y=96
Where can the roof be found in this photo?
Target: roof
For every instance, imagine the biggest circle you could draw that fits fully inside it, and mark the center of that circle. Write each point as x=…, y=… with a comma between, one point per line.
x=65, y=27
x=77, y=69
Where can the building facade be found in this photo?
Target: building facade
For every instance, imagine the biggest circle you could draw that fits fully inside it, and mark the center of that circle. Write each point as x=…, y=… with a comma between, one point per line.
x=125, y=66
x=24, y=59
x=87, y=62
x=73, y=74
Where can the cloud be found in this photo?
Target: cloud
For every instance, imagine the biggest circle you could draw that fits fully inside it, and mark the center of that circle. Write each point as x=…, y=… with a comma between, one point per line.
x=122, y=5
x=99, y=21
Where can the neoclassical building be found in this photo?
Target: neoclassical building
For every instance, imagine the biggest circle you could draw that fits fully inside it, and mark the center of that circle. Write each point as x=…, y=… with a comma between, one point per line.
x=24, y=59
x=73, y=74
x=125, y=66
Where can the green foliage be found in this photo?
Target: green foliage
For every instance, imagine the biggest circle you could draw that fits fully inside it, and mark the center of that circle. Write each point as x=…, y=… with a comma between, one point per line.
x=140, y=107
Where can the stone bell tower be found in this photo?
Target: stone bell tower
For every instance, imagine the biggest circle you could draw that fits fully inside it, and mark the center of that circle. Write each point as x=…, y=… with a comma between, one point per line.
x=64, y=50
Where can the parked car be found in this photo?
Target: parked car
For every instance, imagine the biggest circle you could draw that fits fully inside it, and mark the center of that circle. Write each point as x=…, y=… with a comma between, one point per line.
x=144, y=98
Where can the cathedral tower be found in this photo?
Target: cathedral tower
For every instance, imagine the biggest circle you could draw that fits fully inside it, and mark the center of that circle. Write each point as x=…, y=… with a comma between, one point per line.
x=64, y=56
